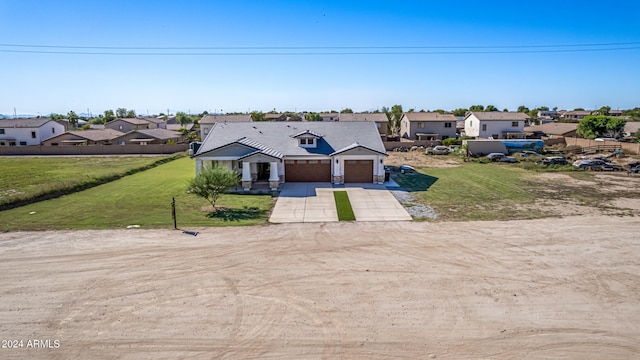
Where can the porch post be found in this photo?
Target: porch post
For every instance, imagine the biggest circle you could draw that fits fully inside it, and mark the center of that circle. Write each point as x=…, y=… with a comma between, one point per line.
x=246, y=175
x=198, y=166
x=274, y=179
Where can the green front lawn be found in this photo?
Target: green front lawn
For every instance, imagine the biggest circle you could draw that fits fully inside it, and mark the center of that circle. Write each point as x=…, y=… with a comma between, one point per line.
x=473, y=191
x=142, y=199
x=25, y=178
x=343, y=206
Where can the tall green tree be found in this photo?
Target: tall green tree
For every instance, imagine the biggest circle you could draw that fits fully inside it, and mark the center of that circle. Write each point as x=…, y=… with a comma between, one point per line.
x=212, y=182
x=73, y=118
x=346, y=111
x=460, y=112
x=183, y=119
x=491, y=108
x=603, y=110
x=591, y=127
x=131, y=113
x=523, y=109
x=109, y=116
x=476, y=108
x=396, y=115
x=312, y=117
x=258, y=116
x=121, y=112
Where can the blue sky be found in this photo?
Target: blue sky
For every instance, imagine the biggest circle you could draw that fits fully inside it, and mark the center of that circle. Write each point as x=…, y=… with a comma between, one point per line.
x=302, y=55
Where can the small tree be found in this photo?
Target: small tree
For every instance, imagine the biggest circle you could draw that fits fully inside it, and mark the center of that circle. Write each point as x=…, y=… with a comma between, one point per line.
x=212, y=182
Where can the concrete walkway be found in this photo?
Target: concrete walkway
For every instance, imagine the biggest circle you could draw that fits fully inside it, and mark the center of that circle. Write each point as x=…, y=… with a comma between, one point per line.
x=314, y=202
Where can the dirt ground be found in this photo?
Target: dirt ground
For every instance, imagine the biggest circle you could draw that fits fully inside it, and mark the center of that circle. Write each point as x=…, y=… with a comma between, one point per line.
x=536, y=289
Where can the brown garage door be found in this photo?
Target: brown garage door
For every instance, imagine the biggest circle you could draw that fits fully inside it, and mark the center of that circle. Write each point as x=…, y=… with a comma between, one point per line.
x=358, y=171
x=307, y=170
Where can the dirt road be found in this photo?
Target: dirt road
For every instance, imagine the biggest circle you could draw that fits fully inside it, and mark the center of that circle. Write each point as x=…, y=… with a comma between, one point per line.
x=554, y=288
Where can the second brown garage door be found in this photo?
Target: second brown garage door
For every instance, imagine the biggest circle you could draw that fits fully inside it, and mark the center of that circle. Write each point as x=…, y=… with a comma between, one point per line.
x=358, y=171
x=307, y=170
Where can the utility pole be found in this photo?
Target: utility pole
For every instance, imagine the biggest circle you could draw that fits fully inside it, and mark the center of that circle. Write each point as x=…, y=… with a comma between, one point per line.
x=173, y=213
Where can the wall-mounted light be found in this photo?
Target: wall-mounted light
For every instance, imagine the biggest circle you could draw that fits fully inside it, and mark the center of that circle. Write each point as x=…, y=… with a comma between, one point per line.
x=337, y=161
x=380, y=161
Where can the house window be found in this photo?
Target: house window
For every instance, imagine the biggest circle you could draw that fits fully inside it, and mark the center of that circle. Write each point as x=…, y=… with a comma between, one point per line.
x=447, y=124
x=12, y=143
x=303, y=141
x=33, y=134
x=2, y=143
x=120, y=127
x=310, y=141
x=470, y=122
x=22, y=143
x=484, y=127
x=514, y=124
x=420, y=125
x=206, y=131
x=1, y=131
x=53, y=130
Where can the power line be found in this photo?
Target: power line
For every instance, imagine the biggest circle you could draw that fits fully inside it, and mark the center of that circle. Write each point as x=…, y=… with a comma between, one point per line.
x=314, y=50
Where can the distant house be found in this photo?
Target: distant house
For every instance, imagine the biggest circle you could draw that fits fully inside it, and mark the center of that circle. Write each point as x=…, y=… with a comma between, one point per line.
x=615, y=112
x=207, y=121
x=178, y=127
x=379, y=118
x=275, y=117
x=148, y=136
x=329, y=116
x=495, y=125
x=631, y=128
x=427, y=126
x=129, y=124
x=575, y=114
x=31, y=131
x=86, y=137
x=156, y=123
x=551, y=130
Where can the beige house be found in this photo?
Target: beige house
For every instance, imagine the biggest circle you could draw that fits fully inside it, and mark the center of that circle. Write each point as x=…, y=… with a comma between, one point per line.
x=125, y=125
x=575, y=114
x=427, y=126
x=148, y=136
x=380, y=119
x=329, y=116
x=207, y=122
x=86, y=137
x=551, y=130
x=495, y=125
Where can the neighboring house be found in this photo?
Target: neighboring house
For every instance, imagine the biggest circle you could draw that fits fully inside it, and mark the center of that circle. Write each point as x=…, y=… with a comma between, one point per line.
x=631, y=128
x=126, y=125
x=615, y=112
x=495, y=125
x=329, y=116
x=575, y=114
x=84, y=137
x=276, y=152
x=275, y=117
x=207, y=121
x=31, y=131
x=427, y=126
x=380, y=119
x=178, y=127
x=551, y=130
x=148, y=136
x=156, y=123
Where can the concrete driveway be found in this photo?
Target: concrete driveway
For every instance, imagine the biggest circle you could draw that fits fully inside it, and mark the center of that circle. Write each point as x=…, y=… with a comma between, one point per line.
x=314, y=202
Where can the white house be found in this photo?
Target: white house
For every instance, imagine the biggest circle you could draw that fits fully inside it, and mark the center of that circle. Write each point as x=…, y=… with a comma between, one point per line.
x=32, y=131
x=276, y=152
x=496, y=125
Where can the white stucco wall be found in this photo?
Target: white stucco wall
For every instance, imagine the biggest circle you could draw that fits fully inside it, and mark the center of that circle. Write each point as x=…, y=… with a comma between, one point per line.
x=25, y=136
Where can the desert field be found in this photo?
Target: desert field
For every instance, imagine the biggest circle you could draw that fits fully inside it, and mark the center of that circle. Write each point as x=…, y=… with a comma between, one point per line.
x=527, y=289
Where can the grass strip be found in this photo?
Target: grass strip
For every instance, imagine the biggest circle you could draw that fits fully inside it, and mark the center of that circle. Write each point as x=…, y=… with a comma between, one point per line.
x=343, y=205
x=89, y=182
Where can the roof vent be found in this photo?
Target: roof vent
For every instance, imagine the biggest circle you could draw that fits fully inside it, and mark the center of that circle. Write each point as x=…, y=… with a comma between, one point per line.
x=254, y=127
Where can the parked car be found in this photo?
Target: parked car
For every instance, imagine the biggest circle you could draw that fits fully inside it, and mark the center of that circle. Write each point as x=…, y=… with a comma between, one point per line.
x=589, y=164
x=500, y=157
x=609, y=166
x=527, y=153
x=406, y=169
x=554, y=160
x=634, y=170
x=438, y=150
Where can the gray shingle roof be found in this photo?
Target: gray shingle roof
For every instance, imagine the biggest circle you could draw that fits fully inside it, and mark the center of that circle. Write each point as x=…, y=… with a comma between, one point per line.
x=161, y=134
x=375, y=117
x=497, y=115
x=211, y=119
x=429, y=116
x=277, y=137
x=23, y=123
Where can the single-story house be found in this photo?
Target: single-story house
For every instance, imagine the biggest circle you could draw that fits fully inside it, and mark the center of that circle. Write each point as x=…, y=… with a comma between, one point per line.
x=84, y=137
x=28, y=131
x=427, y=126
x=278, y=152
x=495, y=125
x=380, y=119
x=148, y=136
x=575, y=114
x=126, y=125
x=329, y=116
x=554, y=129
x=207, y=121
x=156, y=123
x=177, y=127
x=631, y=128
